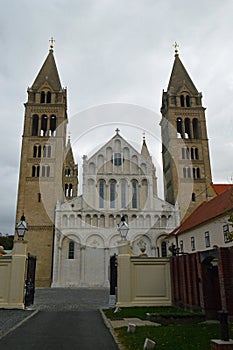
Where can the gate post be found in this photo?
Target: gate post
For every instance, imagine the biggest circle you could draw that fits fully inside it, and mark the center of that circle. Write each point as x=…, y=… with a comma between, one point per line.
x=17, y=279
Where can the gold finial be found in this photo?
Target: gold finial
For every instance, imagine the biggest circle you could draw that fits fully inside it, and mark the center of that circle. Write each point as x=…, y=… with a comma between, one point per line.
x=52, y=41
x=176, y=48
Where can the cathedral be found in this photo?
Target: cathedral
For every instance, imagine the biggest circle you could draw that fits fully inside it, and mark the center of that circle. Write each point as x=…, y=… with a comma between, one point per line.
x=74, y=235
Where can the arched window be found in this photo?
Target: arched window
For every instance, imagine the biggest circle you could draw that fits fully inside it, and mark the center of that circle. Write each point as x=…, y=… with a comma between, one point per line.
x=46, y=151
x=101, y=193
x=48, y=97
x=67, y=172
x=112, y=194
x=53, y=125
x=134, y=194
x=35, y=171
x=193, y=197
x=35, y=122
x=179, y=127
x=70, y=190
x=44, y=124
x=194, y=153
x=71, y=250
x=123, y=194
x=196, y=131
x=36, y=151
x=188, y=101
x=42, y=97
x=187, y=128
x=66, y=190
x=45, y=170
x=182, y=100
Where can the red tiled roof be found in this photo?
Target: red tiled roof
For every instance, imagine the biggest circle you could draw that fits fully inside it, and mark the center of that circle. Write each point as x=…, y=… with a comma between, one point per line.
x=207, y=211
x=220, y=188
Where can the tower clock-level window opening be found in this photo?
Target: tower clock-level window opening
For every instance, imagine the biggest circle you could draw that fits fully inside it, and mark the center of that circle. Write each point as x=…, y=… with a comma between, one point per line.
x=71, y=250
x=207, y=239
x=101, y=193
x=134, y=194
x=67, y=172
x=193, y=243
x=112, y=194
x=35, y=122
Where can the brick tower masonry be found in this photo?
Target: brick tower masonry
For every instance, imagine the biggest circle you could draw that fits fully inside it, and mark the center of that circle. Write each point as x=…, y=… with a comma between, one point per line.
x=46, y=162
x=185, y=151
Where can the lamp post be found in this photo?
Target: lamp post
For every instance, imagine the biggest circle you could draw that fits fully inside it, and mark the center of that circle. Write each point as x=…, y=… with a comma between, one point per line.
x=21, y=228
x=123, y=228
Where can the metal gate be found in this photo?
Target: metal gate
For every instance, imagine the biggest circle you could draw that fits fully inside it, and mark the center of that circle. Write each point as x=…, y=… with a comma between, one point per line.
x=113, y=274
x=30, y=281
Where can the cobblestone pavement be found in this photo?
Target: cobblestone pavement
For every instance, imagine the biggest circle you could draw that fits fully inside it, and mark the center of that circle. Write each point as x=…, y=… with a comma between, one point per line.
x=59, y=299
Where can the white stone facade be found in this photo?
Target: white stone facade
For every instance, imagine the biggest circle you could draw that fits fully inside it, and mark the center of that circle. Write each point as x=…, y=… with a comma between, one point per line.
x=117, y=180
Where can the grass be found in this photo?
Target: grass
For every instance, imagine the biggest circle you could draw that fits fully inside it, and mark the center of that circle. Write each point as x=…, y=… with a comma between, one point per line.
x=140, y=312
x=185, y=336
x=180, y=337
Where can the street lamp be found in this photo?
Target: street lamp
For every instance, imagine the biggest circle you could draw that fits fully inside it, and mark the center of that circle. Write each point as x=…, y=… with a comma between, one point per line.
x=123, y=228
x=21, y=228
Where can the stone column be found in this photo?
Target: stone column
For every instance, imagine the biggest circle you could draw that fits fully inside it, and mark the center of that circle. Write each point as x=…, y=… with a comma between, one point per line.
x=82, y=260
x=123, y=275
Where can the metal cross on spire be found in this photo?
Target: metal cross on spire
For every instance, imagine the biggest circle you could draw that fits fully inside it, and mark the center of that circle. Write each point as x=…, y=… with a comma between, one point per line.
x=117, y=131
x=176, y=48
x=52, y=41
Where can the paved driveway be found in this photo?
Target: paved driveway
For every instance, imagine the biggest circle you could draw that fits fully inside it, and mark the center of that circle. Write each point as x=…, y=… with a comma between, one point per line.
x=67, y=319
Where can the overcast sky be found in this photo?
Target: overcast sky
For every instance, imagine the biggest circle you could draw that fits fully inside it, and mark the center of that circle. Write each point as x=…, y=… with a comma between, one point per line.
x=119, y=54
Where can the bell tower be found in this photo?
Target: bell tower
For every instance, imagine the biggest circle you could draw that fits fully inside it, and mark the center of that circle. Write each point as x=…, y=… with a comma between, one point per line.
x=41, y=166
x=185, y=150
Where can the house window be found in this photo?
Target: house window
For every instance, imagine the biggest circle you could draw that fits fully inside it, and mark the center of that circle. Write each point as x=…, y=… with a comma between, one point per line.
x=225, y=233
x=193, y=243
x=71, y=250
x=207, y=239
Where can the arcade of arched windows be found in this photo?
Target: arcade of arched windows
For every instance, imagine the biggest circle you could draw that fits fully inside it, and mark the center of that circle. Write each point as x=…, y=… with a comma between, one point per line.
x=122, y=193
x=188, y=128
x=119, y=162
x=185, y=100
x=45, y=97
x=191, y=173
x=44, y=125
x=68, y=189
x=42, y=151
x=111, y=221
x=41, y=170
x=190, y=153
